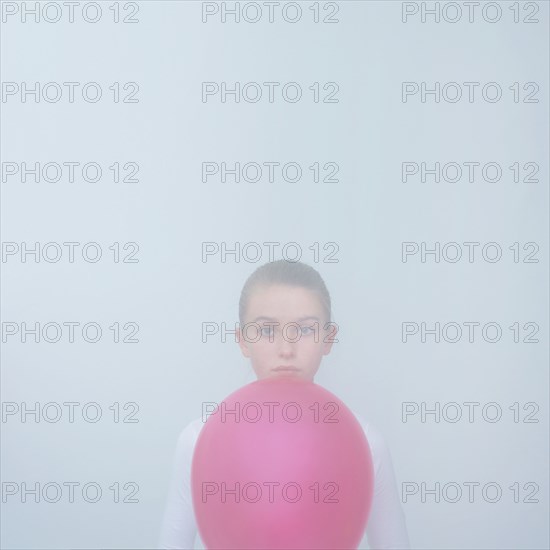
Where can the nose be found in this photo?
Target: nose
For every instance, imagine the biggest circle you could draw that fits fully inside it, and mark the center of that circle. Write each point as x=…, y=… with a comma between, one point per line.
x=286, y=347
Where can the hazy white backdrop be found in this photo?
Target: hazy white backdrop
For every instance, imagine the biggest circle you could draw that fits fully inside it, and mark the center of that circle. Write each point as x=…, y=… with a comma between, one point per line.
x=369, y=212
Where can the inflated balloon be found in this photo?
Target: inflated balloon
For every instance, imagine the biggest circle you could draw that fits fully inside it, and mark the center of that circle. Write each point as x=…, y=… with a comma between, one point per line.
x=282, y=463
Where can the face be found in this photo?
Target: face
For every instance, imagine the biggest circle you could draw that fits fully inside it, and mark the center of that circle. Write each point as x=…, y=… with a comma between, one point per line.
x=287, y=329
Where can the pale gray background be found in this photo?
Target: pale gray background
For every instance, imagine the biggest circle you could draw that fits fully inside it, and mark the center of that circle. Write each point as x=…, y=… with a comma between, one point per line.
x=170, y=292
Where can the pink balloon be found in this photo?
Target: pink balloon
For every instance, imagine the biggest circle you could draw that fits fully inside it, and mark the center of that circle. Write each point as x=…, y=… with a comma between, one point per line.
x=282, y=463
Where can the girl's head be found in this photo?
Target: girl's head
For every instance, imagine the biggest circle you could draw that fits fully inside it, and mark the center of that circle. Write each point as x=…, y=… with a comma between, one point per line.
x=284, y=311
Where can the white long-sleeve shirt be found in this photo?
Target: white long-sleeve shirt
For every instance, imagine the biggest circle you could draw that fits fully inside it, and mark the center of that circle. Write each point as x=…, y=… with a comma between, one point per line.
x=386, y=527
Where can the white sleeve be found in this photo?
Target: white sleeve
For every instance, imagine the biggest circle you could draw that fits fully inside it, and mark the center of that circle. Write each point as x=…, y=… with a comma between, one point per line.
x=179, y=526
x=386, y=526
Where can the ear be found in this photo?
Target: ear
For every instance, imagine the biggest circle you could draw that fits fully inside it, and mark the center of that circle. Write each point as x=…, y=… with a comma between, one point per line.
x=330, y=337
x=243, y=344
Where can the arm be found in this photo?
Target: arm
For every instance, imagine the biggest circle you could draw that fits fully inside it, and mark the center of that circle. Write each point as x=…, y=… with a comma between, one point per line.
x=386, y=527
x=179, y=526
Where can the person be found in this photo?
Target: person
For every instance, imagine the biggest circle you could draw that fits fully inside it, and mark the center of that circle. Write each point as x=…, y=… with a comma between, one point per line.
x=284, y=300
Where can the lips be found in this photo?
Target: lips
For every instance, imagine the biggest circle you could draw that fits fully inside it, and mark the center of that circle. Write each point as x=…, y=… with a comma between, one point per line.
x=285, y=368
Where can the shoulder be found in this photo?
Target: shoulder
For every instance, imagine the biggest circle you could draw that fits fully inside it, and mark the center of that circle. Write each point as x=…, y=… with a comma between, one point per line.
x=379, y=449
x=188, y=436
x=378, y=446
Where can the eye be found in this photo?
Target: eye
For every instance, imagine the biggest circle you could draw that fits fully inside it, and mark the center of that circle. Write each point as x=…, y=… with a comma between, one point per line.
x=267, y=331
x=307, y=331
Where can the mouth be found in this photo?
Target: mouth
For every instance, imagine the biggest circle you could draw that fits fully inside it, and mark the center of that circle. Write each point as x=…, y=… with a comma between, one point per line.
x=282, y=368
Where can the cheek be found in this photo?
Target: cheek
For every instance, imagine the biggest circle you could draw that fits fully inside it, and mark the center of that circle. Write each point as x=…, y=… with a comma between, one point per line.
x=311, y=347
x=261, y=348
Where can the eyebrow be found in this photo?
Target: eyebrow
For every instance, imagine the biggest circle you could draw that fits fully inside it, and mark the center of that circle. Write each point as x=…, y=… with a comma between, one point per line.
x=301, y=319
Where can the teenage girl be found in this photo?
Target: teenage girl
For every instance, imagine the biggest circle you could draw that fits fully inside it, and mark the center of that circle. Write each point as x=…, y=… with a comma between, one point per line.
x=289, y=304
